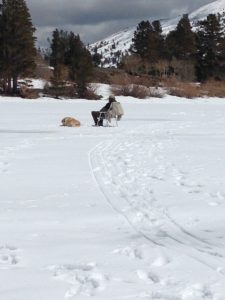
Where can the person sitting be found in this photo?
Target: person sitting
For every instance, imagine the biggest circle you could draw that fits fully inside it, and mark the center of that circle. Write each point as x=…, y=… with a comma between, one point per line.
x=97, y=116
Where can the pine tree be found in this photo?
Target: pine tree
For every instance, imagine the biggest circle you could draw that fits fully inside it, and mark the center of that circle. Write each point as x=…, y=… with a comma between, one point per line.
x=2, y=81
x=96, y=57
x=17, y=41
x=148, y=41
x=211, y=47
x=79, y=60
x=59, y=46
x=142, y=40
x=68, y=49
x=159, y=39
x=181, y=42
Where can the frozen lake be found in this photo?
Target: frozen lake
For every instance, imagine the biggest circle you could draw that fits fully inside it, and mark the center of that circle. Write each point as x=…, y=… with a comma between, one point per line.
x=128, y=212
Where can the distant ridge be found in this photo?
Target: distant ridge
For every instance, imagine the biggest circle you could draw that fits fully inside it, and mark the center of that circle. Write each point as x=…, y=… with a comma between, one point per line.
x=113, y=47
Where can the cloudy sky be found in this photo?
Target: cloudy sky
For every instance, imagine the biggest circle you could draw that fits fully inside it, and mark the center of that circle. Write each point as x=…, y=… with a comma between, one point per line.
x=96, y=19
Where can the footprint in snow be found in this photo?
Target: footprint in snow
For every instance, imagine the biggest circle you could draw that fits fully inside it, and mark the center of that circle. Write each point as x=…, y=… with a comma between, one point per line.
x=161, y=261
x=197, y=291
x=148, y=276
x=4, y=167
x=194, y=191
x=164, y=296
x=133, y=253
x=84, y=279
x=218, y=199
x=8, y=257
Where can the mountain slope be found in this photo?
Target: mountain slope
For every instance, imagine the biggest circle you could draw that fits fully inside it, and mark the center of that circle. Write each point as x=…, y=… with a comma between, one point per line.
x=113, y=47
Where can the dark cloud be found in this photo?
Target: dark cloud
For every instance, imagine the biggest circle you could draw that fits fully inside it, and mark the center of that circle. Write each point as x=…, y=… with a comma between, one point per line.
x=95, y=19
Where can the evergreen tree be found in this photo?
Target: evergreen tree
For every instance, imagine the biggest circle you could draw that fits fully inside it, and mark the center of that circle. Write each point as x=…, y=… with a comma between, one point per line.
x=79, y=60
x=157, y=26
x=181, y=42
x=68, y=49
x=18, y=51
x=59, y=46
x=211, y=48
x=148, y=41
x=142, y=40
x=96, y=58
x=159, y=39
x=2, y=82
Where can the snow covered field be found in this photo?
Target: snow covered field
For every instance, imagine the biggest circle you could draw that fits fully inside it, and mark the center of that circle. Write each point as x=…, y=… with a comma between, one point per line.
x=128, y=212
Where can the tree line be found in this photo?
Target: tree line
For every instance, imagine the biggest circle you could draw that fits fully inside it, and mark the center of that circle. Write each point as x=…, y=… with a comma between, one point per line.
x=184, y=53
x=18, y=52
x=189, y=54
x=71, y=61
x=17, y=43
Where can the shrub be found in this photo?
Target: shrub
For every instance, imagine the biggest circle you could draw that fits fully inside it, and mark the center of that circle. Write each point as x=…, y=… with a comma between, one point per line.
x=91, y=94
x=213, y=88
x=131, y=64
x=156, y=92
x=42, y=69
x=182, y=89
x=132, y=90
x=183, y=69
x=186, y=91
x=68, y=91
x=27, y=93
x=136, y=91
x=146, y=80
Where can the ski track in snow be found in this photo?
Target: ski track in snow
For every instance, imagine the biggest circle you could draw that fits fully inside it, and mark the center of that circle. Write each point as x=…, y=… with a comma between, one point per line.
x=127, y=169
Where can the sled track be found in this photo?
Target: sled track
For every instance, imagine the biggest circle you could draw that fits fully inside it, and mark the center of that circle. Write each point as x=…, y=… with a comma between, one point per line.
x=125, y=173
x=96, y=159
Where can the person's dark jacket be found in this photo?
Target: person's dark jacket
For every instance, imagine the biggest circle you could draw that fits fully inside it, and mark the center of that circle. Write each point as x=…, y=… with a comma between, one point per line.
x=107, y=106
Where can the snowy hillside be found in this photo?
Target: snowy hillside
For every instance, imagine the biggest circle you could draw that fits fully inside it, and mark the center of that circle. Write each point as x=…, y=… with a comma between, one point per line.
x=119, y=43
x=200, y=14
x=211, y=8
x=130, y=212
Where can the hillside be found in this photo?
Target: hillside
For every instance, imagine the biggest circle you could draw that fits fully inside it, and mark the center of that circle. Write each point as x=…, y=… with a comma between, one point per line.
x=118, y=44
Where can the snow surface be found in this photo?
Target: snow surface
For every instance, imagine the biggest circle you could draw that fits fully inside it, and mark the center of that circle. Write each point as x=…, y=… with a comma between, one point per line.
x=33, y=83
x=38, y=83
x=128, y=212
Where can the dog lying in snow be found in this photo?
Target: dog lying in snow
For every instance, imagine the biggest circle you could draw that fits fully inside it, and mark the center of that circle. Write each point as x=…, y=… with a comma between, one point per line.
x=70, y=122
